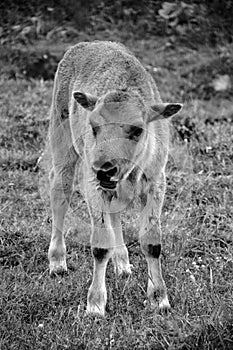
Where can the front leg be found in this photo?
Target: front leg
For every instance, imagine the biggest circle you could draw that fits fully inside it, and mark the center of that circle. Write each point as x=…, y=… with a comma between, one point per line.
x=150, y=240
x=102, y=246
x=151, y=247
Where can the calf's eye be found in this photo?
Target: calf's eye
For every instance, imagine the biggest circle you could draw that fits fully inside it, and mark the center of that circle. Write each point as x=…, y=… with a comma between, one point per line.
x=94, y=131
x=135, y=132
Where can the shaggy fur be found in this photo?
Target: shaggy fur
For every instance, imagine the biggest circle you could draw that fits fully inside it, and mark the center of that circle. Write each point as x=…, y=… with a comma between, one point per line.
x=116, y=123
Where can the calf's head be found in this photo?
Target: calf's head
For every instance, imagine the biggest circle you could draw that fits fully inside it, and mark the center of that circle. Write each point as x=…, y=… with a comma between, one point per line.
x=119, y=132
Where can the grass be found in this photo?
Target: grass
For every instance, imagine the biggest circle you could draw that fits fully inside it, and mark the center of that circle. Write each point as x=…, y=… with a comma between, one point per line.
x=38, y=312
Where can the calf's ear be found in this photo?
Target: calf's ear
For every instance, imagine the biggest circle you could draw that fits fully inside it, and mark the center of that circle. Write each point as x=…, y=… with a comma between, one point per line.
x=163, y=111
x=87, y=101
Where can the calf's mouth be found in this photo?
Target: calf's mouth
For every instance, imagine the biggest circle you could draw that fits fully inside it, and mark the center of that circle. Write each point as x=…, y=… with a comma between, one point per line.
x=105, y=179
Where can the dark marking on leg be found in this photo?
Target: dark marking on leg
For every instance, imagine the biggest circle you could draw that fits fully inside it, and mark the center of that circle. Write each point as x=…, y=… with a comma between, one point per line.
x=64, y=114
x=99, y=253
x=154, y=250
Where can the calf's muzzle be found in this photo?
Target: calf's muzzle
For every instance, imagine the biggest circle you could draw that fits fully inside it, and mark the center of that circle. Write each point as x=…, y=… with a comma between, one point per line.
x=105, y=173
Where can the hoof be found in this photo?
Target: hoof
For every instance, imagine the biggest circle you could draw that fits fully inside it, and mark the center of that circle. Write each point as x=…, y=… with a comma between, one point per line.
x=162, y=306
x=95, y=310
x=58, y=273
x=58, y=268
x=96, y=301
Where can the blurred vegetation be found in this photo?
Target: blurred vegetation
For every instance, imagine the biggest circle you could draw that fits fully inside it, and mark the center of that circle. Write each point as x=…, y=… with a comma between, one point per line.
x=31, y=31
x=202, y=21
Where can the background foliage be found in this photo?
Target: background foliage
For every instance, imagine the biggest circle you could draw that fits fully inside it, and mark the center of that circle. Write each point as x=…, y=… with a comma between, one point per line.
x=190, y=23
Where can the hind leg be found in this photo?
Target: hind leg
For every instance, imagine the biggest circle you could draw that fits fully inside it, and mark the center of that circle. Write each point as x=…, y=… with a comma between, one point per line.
x=61, y=182
x=61, y=190
x=64, y=158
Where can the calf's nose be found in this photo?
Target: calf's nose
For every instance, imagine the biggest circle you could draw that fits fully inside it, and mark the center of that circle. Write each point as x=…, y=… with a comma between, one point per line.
x=104, y=166
x=106, y=171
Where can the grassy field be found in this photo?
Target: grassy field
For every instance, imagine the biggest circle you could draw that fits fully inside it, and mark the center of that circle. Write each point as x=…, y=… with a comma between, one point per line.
x=38, y=312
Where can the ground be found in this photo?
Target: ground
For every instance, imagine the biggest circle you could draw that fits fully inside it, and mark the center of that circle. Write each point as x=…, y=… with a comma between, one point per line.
x=38, y=312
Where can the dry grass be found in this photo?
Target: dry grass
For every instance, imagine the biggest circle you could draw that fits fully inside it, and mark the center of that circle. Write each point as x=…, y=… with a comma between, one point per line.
x=42, y=313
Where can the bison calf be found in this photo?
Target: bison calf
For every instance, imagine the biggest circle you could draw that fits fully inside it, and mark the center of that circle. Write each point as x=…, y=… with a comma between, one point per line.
x=107, y=116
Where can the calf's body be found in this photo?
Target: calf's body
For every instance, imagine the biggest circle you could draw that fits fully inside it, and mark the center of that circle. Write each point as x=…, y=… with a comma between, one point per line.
x=107, y=116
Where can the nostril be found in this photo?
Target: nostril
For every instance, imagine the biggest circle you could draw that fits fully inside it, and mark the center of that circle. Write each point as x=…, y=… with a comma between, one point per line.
x=112, y=172
x=106, y=166
x=100, y=165
x=103, y=175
